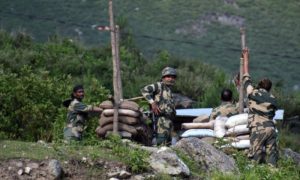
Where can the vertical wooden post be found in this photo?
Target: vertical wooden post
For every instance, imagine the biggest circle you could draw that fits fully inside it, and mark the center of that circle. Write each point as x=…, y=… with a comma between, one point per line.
x=241, y=90
x=117, y=45
x=115, y=68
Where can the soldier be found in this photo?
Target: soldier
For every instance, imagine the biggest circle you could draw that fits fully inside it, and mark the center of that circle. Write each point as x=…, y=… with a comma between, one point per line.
x=77, y=114
x=262, y=107
x=159, y=96
x=227, y=108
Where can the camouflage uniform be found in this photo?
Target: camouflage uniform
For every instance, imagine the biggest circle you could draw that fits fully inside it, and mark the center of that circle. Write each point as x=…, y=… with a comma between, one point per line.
x=76, y=118
x=162, y=95
x=262, y=107
x=225, y=109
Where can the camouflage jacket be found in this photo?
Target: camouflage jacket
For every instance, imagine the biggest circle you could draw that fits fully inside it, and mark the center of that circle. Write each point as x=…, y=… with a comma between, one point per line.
x=162, y=95
x=262, y=104
x=78, y=112
x=225, y=109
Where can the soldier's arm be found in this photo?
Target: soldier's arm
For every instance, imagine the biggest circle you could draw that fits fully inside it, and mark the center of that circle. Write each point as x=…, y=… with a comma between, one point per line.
x=246, y=77
x=149, y=92
x=81, y=107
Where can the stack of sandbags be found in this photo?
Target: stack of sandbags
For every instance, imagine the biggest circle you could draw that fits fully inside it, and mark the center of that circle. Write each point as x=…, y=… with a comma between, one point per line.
x=129, y=118
x=200, y=127
x=237, y=131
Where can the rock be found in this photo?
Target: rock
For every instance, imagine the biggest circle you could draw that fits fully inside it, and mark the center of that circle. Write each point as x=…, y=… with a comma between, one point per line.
x=166, y=161
x=55, y=169
x=207, y=156
x=137, y=177
x=209, y=140
x=33, y=165
x=287, y=152
x=19, y=164
x=124, y=174
x=20, y=172
x=27, y=170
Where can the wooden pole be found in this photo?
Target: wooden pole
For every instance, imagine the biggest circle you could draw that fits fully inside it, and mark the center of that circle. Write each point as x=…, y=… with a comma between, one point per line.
x=117, y=46
x=241, y=90
x=115, y=68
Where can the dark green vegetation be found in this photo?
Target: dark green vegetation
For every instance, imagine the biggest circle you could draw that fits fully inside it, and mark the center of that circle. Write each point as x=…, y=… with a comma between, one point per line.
x=200, y=30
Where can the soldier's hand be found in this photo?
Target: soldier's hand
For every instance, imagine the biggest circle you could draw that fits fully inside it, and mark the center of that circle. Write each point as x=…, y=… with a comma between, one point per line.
x=245, y=54
x=155, y=108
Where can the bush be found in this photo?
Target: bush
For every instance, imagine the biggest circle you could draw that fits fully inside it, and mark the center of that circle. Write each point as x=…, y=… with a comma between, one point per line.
x=29, y=103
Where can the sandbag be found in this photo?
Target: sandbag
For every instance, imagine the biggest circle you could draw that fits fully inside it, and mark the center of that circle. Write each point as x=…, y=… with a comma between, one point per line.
x=242, y=144
x=205, y=125
x=124, y=112
x=219, y=126
x=124, y=119
x=129, y=105
x=101, y=131
x=123, y=134
x=243, y=137
x=235, y=120
x=237, y=138
x=237, y=130
x=198, y=133
x=106, y=105
x=201, y=118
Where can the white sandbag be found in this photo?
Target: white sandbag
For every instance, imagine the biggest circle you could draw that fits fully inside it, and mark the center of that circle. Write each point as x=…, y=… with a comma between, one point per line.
x=198, y=133
x=235, y=120
x=201, y=119
x=219, y=127
x=243, y=137
x=242, y=144
x=237, y=138
x=236, y=130
x=205, y=125
x=125, y=112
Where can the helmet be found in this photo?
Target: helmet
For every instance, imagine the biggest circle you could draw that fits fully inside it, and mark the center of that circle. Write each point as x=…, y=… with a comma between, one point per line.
x=168, y=71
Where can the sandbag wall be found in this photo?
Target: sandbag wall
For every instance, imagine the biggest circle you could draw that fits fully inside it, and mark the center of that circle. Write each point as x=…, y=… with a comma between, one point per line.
x=233, y=129
x=129, y=117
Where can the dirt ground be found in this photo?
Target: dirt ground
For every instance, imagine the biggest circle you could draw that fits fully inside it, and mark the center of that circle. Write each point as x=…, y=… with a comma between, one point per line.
x=72, y=169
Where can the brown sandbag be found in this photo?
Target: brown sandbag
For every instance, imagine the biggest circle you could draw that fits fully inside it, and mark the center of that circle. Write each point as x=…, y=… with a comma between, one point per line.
x=106, y=105
x=101, y=131
x=130, y=105
x=123, y=134
x=201, y=119
x=124, y=119
x=206, y=125
x=124, y=112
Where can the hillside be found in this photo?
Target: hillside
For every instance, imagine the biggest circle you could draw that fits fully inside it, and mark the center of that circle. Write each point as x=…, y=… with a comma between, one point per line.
x=200, y=30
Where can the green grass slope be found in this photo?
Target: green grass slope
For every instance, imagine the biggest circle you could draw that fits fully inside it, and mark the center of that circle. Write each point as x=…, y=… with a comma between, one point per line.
x=194, y=29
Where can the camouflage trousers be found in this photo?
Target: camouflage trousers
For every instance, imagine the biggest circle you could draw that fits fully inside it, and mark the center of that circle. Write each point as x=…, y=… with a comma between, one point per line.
x=73, y=132
x=165, y=130
x=263, y=138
